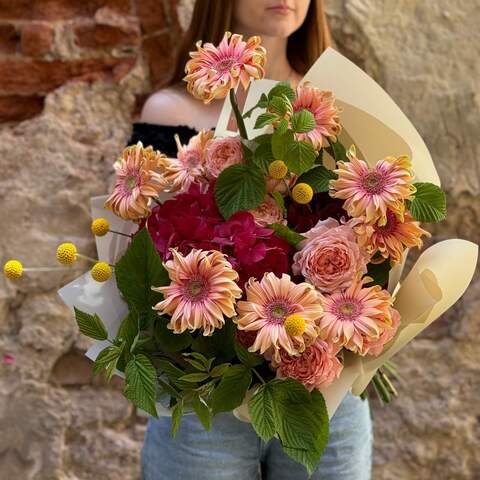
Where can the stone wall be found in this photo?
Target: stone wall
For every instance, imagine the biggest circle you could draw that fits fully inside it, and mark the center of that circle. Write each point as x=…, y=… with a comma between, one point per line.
x=73, y=74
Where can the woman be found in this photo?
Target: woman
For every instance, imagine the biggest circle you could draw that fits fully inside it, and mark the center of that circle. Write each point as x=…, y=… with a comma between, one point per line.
x=294, y=33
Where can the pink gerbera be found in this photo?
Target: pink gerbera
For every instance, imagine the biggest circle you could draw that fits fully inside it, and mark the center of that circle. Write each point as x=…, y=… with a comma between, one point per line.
x=188, y=167
x=213, y=71
x=369, y=191
x=138, y=180
x=283, y=314
x=359, y=318
x=390, y=240
x=322, y=105
x=317, y=367
x=202, y=291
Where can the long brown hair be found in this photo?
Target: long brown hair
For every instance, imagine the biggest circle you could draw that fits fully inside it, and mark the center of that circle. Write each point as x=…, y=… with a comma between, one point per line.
x=212, y=18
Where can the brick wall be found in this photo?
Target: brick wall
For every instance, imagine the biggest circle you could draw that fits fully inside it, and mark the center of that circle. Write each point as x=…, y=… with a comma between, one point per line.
x=46, y=43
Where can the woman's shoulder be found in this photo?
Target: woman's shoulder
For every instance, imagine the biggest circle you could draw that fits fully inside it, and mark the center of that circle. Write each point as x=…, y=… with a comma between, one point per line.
x=167, y=107
x=175, y=106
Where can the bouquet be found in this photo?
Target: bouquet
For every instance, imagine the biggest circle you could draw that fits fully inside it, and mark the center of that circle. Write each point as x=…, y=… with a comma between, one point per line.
x=258, y=272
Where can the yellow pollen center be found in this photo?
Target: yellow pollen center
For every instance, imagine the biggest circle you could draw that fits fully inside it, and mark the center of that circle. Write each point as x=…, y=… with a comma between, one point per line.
x=295, y=325
x=347, y=308
x=373, y=182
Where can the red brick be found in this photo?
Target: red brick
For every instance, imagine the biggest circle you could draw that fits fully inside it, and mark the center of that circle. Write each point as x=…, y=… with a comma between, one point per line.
x=58, y=9
x=14, y=108
x=161, y=58
x=37, y=39
x=34, y=76
x=152, y=15
x=97, y=36
x=8, y=39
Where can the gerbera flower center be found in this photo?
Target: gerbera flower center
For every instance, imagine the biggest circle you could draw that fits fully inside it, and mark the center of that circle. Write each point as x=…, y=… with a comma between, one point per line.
x=347, y=310
x=390, y=226
x=196, y=289
x=373, y=182
x=225, y=64
x=278, y=311
x=130, y=182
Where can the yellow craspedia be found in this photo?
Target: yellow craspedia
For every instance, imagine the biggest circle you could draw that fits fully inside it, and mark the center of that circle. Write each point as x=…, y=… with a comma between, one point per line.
x=302, y=193
x=101, y=271
x=67, y=253
x=100, y=227
x=295, y=325
x=13, y=269
x=278, y=169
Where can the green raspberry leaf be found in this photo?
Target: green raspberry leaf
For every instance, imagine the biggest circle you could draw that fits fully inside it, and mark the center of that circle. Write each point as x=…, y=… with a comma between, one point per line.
x=429, y=204
x=140, y=378
x=318, y=178
x=90, y=325
x=239, y=187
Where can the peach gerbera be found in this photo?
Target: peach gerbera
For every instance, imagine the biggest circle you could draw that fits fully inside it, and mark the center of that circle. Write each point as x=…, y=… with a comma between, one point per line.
x=213, y=71
x=188, y=167
x=322, y=105
x=370, y=192
x=359, y=318
x=202, y=292
x=138, y=180
x=269, y=304
x=390, y=240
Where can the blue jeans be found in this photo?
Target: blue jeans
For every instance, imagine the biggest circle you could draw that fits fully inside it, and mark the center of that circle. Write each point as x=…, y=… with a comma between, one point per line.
x=231, y=450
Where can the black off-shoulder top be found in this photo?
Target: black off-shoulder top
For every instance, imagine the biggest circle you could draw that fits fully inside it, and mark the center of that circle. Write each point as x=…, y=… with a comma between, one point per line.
x=161, y=137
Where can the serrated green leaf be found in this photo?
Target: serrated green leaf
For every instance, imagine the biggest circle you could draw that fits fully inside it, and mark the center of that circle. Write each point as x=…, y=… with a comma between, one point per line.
x=265, y=119
x=429, y=204
x=239, y=187
x=140, y=378
x=282, y=127
x=281, y=143
x=138, y=270
x=177, y=412
x=219, y=370
x=303, y=121
x=169, y=341
x=289, y=235
x=264, y=138
x=107, y=360
x=300, y=156
x=231, y=390
x=318, y=178
x=282, y=88
x=262, y=156
x=299, y=419
x=262, y=412
x=196, y=364
x=262, y=103
x=337, y=151
x=318, y=427
x=90, y=325
x=379, y=272
x=279, y=105
x=203, y=412
x=194, y=377
x=173, y=373
x=250, y=359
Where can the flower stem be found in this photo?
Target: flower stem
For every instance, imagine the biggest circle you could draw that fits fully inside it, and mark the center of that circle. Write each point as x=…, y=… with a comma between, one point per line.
x=259, y=376
x=238, y=116
x=90, y=259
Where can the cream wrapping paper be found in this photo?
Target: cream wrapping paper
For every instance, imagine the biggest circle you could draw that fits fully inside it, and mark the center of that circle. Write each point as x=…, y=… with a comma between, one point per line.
x=378, y=127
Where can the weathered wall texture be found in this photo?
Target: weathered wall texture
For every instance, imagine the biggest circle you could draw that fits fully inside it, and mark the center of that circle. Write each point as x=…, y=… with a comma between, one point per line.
x=72, y=74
